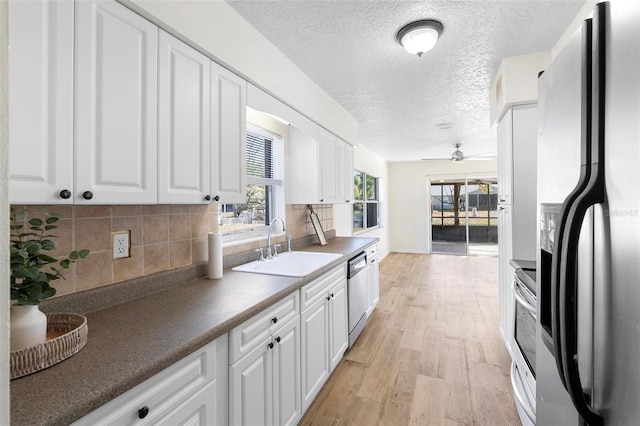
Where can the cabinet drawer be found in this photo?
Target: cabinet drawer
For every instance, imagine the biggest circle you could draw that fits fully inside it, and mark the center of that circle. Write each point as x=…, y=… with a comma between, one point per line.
x=247, y=335
x=198, y=410
x=161, y=393
x=318, y=287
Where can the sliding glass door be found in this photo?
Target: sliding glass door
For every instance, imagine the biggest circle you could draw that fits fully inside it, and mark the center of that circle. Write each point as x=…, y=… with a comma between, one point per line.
x=464, y=216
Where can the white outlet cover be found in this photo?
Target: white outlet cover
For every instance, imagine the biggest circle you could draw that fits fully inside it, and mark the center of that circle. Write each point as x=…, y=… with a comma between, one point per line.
x=121, y=244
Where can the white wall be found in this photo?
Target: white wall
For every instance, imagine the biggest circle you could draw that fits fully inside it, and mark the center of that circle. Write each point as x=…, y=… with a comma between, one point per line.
x=4, y=220
x=217, y=29
x=408, y=201
x=367, y=161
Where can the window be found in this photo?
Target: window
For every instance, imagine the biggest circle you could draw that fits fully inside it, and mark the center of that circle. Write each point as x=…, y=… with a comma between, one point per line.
x=265, y=192
x=366, y=201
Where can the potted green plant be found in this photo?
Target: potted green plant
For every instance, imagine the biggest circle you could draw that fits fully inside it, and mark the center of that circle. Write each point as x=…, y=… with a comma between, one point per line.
x=32, y=271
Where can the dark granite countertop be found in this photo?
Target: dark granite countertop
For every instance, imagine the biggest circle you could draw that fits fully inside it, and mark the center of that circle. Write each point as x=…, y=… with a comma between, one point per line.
x=131, y=341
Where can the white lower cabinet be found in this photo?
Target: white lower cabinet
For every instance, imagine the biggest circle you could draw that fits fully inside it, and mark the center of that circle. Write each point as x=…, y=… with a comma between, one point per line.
x=338, y=324
x=264, y=385
x=373, y=279
x=199, y=410
x=250, y=387
x=315, y=350
x=192, y=391
x=287, y=403
x=324, y=334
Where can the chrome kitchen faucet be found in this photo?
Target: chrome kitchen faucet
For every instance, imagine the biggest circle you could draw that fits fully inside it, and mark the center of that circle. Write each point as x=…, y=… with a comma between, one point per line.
x=284, y=228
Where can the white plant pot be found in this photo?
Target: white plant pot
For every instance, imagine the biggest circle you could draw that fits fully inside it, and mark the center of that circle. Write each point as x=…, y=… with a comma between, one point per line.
x=28, y=326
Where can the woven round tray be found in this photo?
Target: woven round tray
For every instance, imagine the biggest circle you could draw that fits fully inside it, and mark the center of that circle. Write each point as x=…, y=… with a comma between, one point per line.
x=66, y=335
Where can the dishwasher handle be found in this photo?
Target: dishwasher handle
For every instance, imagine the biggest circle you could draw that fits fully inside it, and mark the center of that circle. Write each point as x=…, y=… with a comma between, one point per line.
x=357, y=267
x=357, y=264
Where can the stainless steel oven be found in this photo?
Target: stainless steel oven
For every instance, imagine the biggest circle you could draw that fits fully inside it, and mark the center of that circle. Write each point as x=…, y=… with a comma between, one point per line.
x=523, y=374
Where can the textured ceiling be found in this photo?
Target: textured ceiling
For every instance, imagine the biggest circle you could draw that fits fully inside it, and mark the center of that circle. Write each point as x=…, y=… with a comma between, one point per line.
x=349, y=49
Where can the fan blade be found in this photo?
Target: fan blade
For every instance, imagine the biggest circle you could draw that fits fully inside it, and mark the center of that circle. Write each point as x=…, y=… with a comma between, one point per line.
x=436, y=159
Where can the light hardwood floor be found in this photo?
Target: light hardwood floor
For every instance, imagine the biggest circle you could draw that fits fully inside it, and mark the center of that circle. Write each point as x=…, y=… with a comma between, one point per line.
x=431, y=353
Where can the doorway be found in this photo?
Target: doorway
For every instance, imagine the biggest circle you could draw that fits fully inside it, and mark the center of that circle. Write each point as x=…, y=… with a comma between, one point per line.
x=464, y=216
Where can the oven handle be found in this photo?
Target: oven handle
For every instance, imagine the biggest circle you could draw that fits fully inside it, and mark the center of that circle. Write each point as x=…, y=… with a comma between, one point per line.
x=518, y=394
x=522, y=300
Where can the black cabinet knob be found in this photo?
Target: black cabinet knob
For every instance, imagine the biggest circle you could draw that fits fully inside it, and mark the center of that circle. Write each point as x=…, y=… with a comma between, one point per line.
x=65, y=194
x=274, y=320
x=207, y=197
x=278, y=339
x=328, y=298
x=216, y=198
x=332, y=295
x=142, y=413
x=270, y=345
x=322, y=200
x=87, y=195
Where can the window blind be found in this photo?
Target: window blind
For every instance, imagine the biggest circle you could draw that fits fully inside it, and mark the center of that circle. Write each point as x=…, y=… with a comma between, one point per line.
x=264, y=157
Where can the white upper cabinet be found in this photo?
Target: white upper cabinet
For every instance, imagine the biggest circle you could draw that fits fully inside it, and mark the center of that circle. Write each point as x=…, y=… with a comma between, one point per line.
x=228, y=136
x=320, y=168
x=329, y=167
x=106, y=108
x=183, y=137
x=505, y=158
x=41, y=102
x=345, y=156
x=116, y=105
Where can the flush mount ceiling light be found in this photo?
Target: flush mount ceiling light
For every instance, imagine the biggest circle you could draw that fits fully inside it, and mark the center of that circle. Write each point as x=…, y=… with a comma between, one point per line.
x=420, y=36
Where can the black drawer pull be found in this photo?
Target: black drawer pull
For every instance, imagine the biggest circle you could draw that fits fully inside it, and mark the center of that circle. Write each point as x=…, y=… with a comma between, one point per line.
x=142, y=413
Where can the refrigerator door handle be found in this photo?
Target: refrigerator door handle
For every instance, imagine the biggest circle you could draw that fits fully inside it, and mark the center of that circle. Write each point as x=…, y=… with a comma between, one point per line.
x=593, y=194
x=583, y=180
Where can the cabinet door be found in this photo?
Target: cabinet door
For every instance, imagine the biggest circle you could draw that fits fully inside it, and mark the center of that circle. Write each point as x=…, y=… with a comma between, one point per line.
x=286, y=375
x=328, y=146
x=251, y=387
x=315, y=350
x=338, y=324
x=183, y=111
x=228, y=136
x=41, y=101
x=303, y=169
x=345, y=172
x=116, y=105
x=505, y=158
x=374, y=280
x=505, y=275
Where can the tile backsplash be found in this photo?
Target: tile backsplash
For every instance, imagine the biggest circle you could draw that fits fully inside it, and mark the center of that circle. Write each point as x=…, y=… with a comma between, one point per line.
x=163, y=237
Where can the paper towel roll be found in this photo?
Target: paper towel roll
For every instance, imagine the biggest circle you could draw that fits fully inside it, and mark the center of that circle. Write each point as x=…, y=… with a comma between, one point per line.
x=215, y=255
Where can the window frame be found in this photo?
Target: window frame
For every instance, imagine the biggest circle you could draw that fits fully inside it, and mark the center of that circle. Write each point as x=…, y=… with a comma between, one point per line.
x=277, y=206
x=365, y=202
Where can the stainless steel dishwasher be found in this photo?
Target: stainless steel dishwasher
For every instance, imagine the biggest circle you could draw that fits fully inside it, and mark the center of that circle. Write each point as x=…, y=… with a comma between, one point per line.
x=357, y=291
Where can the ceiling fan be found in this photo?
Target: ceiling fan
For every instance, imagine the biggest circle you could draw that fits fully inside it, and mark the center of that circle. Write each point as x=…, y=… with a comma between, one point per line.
x=457, y=156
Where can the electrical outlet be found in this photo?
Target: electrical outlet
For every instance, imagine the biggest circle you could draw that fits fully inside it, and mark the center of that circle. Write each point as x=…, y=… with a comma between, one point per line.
x=121, y=244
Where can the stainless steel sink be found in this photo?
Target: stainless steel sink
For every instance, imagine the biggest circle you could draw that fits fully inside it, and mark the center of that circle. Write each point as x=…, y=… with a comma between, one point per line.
x=290, y=264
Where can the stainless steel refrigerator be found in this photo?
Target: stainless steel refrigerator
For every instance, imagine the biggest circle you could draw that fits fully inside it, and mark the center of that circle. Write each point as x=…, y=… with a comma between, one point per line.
x=588, y=261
